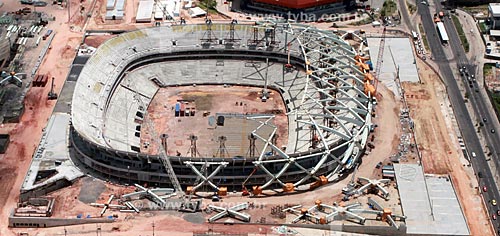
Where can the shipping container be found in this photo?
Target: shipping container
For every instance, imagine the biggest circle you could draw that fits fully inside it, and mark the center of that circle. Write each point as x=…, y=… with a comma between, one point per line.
x=47, y=34
x=370, y=64
x=220, y=120
x=34, y=82
x=183, y=109
x=44, y=80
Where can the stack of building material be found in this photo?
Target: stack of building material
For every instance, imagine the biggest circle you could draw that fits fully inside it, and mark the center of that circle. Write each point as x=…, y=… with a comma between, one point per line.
x=388, y=172
x=40, y=80
x=196, y=12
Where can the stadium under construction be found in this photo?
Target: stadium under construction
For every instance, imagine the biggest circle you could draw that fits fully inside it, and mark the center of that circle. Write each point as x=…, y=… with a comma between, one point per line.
x=324, y=91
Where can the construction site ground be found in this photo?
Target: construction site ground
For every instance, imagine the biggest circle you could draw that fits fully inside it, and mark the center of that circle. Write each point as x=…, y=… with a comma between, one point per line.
x=70, y=201
x=208, y=101
x=439, y=152
x=434, y=126
x=25, y=135
x=75, y=200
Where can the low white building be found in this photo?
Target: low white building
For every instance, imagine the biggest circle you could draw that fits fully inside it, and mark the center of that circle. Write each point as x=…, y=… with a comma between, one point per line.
x=197, y=12
x=494, y=15
x=144, y=11
x=114, y=15
x=188, y=4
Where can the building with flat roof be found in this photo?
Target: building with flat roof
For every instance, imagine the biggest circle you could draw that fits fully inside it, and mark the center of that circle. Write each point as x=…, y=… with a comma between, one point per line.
x=429, y=202
x=469, y=2
x=494, y=15
x=4, y=52
x=296, y=9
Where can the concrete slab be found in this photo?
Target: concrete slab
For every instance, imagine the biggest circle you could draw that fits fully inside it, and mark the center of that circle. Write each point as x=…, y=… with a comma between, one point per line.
x=52, y=155
x=429, y=202
x=397, y=52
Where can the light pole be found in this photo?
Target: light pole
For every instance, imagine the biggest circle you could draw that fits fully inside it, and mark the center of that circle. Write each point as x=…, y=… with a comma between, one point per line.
x=128, y=174
x=68, y=3
x=153, y=228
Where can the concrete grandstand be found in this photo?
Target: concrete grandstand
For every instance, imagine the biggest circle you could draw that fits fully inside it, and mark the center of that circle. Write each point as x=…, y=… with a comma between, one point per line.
x=314, y=71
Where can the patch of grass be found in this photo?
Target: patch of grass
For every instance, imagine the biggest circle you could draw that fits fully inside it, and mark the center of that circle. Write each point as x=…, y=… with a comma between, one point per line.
x=412, y=8
x=461, y=33
x=388, y=8
x=365, y=21
x=424, y=37
x=496, y=100
x=482, y=26
x=488, y=69
x=203, y=101
x=480, y=8
x=212, y=4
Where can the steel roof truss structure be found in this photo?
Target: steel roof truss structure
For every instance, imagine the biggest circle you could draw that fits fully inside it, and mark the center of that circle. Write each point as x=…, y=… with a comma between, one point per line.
x=205, y=179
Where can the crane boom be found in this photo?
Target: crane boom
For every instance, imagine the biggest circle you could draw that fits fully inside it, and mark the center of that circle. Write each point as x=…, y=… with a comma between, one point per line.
x=380, y=59
x=162, y=155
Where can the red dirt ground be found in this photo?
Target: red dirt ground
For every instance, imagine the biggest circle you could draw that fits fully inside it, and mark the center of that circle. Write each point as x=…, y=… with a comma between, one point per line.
x=213, y=99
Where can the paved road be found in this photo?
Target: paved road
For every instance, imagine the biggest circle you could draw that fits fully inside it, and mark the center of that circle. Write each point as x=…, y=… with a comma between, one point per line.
x=406, y=16
x=465, y=122
x=479, y=105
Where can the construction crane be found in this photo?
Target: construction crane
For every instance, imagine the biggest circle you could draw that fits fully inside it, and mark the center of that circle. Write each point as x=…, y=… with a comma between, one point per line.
x=288, y=65
x=187, y=204
x=379, y=59
x=163, y=9
x=244, y=190
x=162, y=155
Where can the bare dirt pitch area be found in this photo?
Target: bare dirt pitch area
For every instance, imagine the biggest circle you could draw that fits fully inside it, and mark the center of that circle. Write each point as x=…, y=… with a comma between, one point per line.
x=437, y=141
x=236, y=103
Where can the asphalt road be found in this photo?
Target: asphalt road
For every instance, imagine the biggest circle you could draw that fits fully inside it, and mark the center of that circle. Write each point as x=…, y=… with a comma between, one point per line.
x=467, y=125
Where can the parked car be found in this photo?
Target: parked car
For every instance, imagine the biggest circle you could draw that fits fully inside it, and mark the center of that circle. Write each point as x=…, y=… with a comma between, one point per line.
x=27, y=2
x=494, y=217
x=39, y=4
